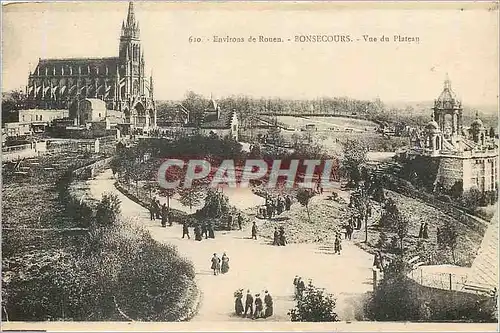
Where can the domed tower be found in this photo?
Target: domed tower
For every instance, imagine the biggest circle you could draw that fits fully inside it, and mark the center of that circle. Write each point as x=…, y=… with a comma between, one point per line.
x=478, y=131
x=448, y=104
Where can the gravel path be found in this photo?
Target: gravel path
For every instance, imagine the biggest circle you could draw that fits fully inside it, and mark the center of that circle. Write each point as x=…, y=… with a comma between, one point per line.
x=255, y=265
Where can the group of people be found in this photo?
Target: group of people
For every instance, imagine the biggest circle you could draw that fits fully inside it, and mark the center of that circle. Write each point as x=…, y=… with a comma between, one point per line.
x=279, y=236
x=158, y=211
x=348, y=230
x=230, y=221
x=275, y=206
x=200, y=230
x=299, y=286
x=259, y=311
x=220, y=265
x=424, y=231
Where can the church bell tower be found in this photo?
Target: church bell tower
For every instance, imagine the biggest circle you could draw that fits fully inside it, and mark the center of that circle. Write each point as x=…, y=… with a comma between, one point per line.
x=130, y=54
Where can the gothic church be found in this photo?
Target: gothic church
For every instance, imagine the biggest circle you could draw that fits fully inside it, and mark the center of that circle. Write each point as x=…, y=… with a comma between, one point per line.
x=99, y=89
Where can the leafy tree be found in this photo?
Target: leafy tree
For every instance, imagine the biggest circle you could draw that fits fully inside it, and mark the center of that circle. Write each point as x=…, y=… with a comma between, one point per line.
x=216, y=205
x=296, y=140
x=378, y=193
x=390, y=214
x=315, y=305
x=196, y=104
x=401, y=227
x=108, y=210
x=448, y=238
x=191, y=196
x=304, y=195
x=12, y=101
x=361, y=202
x=354, y=155
x=472, y=198
x=457, y=189
x=274, y=135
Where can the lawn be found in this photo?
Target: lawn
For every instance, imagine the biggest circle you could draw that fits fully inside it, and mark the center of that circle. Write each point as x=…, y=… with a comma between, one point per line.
x=417, y=212
x=325, y=123
x=326, y=218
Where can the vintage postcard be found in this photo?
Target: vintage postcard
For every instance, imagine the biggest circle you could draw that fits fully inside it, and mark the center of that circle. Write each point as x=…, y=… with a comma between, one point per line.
x=250, y=166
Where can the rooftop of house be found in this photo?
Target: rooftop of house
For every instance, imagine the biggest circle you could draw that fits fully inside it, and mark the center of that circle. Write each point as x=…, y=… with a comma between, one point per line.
x=222, y=122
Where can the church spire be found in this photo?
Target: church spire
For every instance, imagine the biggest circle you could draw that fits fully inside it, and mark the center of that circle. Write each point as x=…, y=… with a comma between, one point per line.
x=131, y=15
x=130, y=27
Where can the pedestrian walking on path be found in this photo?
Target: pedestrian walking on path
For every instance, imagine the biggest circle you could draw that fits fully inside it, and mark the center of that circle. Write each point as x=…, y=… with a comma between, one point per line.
x=337, y=245
x=240, y=221
x=225, y=264
x=215, y=264
x=185, y=230
x=254, y=231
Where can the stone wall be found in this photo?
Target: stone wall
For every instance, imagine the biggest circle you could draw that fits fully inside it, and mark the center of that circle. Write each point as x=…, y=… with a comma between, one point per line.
x=454, y=305
x=90, y=170
x=450, y=171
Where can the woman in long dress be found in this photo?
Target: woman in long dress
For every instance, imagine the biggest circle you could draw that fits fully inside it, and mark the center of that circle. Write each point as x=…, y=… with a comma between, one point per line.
x=197, y=233
x=238, y=303
x=225, y=263
x=258, y=307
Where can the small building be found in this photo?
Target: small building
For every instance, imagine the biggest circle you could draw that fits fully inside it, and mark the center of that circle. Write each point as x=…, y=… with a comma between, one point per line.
x=221, y=122
x=16, y=129
x=174, y=115
x=310, y=127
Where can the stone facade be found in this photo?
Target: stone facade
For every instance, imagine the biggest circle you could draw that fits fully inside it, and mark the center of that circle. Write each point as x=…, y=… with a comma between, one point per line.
x=119, y=82
x=465, y=155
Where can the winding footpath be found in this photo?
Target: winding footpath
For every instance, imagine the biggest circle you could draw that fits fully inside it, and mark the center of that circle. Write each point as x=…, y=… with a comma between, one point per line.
x=255, y=265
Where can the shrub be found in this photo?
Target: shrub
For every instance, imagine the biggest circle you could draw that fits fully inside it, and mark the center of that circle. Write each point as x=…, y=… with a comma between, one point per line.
x=471, y=199
x=108, y=210
x=394, y=245
x=148, y=281
x=315, y=305
x=393, y=300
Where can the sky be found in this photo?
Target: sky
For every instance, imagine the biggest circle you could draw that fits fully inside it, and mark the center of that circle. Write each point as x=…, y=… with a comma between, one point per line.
x=462, y=43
